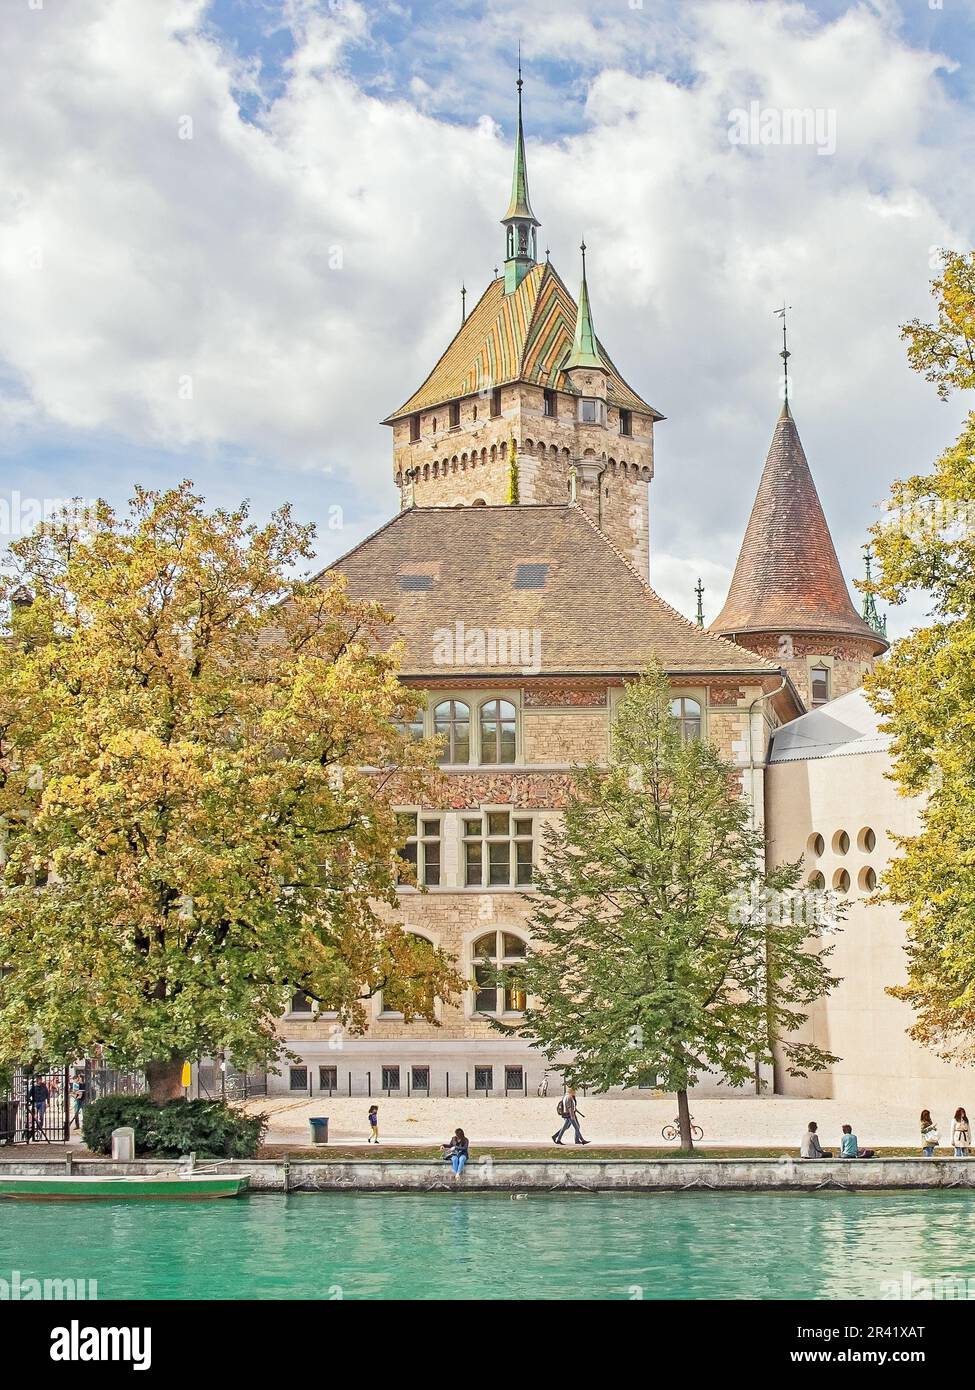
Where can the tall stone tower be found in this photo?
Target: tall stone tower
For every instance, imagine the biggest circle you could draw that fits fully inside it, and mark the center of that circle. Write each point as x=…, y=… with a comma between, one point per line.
x=788, y=599
x=525, y=381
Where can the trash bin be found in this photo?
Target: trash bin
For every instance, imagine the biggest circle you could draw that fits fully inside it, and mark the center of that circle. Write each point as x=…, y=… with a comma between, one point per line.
x=8, y=1120
x=319, y=1129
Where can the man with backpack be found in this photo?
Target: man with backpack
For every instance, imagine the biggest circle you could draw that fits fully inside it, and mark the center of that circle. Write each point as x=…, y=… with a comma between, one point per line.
x=570, y=1113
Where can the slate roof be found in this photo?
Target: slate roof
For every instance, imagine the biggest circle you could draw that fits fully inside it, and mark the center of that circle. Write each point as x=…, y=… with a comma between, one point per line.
x=788, y=577
x=535, y=567
x=846, y=726
x=523, y=336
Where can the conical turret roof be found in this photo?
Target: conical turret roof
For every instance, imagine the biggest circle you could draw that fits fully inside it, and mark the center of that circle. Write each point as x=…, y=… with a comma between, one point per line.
x=788, y=577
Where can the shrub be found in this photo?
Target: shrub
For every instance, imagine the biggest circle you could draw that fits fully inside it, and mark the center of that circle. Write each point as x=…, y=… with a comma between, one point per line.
x=209, y=1128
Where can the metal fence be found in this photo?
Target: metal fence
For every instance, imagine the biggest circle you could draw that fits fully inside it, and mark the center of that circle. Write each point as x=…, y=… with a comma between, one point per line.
x=45, y=1104
x=221, y=1081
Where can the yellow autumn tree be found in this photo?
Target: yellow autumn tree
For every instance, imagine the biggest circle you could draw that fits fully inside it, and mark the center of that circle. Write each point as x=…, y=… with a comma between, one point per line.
x=926, y=688
x=197, y=753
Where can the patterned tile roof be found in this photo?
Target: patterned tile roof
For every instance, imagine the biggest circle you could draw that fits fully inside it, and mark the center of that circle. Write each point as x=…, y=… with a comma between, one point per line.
x=592, y=611
x=788, y=577
x=523, y=336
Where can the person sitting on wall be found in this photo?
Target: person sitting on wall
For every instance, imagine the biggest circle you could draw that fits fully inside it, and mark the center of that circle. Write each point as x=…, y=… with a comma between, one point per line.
x=849, y=1147
x=810, y=1146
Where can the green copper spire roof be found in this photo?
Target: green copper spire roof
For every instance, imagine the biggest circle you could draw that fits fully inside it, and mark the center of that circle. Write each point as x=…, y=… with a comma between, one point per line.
x=520, y=208
x=869, y=609
x=584, y=350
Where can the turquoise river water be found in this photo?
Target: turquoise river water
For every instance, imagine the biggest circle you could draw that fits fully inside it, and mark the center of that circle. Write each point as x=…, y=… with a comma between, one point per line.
x=446, y=1246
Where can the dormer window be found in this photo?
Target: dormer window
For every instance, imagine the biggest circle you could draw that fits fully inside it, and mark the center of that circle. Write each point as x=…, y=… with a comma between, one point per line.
x=414, y=428
x=626, y=422
x=455, y=415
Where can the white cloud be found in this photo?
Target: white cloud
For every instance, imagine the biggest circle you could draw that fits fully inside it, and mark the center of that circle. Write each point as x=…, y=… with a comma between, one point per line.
x=279, y=288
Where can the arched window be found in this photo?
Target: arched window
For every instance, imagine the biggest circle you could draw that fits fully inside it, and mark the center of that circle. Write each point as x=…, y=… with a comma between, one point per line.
x=687, y=714
x=498, y=739
x=492, y=952
x=452, y=722
x=413, y=998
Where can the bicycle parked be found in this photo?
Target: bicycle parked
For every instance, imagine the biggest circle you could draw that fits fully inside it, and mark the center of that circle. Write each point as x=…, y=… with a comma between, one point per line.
x=670, y=1132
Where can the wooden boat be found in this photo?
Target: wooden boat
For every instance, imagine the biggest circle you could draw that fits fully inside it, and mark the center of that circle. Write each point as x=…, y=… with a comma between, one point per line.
x=180, y=1187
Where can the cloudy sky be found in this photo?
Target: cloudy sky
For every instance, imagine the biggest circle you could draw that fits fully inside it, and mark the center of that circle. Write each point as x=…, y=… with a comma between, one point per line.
x=232, y=237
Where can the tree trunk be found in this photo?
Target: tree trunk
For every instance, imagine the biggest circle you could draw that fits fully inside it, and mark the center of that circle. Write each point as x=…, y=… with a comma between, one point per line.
x=165, y=1079
x=684, y=1121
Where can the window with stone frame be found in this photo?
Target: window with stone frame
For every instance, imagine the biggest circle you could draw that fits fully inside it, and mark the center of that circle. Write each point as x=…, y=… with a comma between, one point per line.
x=300, y=1003
x=422, y=834
x=551, y=404
x=626, y=422
x=819, y=684
x=686, y=713
x=454, y=413
x=496, y=402
x=414, y=428
x=499, y=731
x=490, y=953
x=499, y=849
x=589, y=412
x=452, y=723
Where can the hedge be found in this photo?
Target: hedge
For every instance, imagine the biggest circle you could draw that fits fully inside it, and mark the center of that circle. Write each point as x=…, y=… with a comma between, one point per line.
x=209, y=1128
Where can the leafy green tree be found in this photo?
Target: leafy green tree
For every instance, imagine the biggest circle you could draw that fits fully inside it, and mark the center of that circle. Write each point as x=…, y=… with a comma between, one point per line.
x=925, y=689
x=660, y=949
x=192, y=831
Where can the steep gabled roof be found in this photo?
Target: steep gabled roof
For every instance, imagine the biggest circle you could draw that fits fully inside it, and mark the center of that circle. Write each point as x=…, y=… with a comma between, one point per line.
x=788, y=578
x=543, y=568
x=523, y=336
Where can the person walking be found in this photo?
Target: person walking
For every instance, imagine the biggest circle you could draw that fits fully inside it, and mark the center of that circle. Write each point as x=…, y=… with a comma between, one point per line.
x=570, y=1112
x=810, y=1146
x=930, y=1138
x=458, y=1151
x=373, y=1118
x=961, y=1133
x=79, y=1094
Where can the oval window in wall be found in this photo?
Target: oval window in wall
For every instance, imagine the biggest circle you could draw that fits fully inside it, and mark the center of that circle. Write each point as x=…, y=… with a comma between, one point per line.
x=815, y=845
x=841, y=881
x=841, y=842
x=867, y=879
x=816, y=881
x=867, y=840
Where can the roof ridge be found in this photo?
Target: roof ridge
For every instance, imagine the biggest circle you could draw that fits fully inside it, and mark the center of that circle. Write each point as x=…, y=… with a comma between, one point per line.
x=712, y=637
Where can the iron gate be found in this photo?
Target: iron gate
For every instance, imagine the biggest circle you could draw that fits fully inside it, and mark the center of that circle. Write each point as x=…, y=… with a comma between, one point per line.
x=44, y=1105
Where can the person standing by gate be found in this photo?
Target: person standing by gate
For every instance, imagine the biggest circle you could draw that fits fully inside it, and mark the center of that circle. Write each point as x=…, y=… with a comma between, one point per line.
x=39, y=1095
x=79, y=1094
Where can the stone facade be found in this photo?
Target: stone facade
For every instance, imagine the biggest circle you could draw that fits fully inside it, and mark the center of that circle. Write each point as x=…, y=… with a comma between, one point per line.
x=848, y=659
x=560, y=458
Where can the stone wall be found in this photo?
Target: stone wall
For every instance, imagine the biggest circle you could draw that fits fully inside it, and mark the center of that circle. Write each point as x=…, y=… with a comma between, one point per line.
x=847, y=658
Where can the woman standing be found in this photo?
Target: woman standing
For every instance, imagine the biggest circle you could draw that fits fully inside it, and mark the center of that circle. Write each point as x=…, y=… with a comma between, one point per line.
x=930, y=1138
x=961, y=1133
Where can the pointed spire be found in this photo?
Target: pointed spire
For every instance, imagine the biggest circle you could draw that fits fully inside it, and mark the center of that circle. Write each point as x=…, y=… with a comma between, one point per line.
x=585, y=352
x=788, y=577
x=463, y=304
x=520, y=207
x=699, y=590
x=785, y=354
x=871, y=616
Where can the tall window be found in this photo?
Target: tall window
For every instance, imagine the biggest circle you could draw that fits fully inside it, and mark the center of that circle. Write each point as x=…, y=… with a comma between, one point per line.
x=420, y=847
x=491, y=952
x=819, y=684
x=589, y=411
x=687, y=714
x=498, y=741
x=414, y=727
x=496, y=401
x=498, y=850
x=551, y=404
x=626, y=422
x=414, y=428
x=455, y=415
x=452, y=722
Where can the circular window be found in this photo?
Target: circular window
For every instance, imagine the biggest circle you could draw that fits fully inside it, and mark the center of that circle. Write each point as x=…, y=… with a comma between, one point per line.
x=867, y=879
x=841, y=842
x=867, y=840
x=816, y=880
x=841, y=881
x=815, y=845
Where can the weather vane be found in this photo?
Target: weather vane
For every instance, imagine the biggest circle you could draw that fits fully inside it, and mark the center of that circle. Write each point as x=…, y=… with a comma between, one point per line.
x=785, y=354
